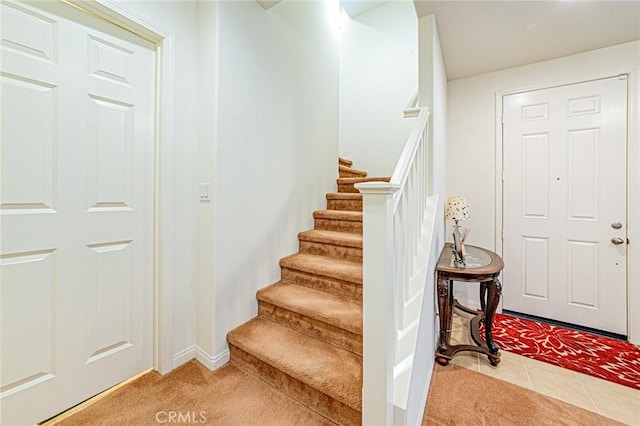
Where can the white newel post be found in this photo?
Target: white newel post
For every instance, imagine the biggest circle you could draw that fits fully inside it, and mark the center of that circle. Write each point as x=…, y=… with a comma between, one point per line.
x=377, y=302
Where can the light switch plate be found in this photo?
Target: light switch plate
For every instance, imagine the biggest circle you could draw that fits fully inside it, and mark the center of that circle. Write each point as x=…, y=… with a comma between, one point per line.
x=205, y=191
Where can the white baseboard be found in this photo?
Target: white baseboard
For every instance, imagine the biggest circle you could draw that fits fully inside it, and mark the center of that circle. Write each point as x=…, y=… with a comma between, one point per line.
x=212, y=362
x=183, y=356
x=194, y=351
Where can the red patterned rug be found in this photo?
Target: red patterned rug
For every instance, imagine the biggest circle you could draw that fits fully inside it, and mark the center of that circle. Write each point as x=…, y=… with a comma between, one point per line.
x=586, y=353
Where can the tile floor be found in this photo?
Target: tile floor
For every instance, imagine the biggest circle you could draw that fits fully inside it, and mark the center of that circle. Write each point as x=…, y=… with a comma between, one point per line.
x=608, y=399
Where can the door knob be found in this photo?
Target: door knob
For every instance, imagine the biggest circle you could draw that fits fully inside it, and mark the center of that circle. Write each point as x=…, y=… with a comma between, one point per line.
x=617, y=240
x=616, y=225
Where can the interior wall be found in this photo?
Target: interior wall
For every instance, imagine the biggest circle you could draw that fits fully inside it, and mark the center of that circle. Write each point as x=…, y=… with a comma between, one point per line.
x=378, y=77
x=472, y=124
x=269, y=145
x=179, y=18
x=433, y=94
x=208, y=30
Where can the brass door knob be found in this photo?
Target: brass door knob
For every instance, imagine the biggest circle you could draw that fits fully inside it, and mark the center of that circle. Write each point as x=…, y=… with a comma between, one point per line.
x=617, y=240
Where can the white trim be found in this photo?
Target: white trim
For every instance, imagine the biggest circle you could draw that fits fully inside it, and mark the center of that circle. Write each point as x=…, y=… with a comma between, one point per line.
x=498, y=176
x=119, y=15
x=212, y=363
x=114, y=12
x=268, y=4
x=633, y=181
x=412, y=109
x=196, y=352
x=633, y=206
x=163, y=267
x=184, y=356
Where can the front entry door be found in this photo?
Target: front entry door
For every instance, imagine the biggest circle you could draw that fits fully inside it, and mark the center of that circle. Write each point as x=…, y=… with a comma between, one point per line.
x=76, y=209
x=564, y=195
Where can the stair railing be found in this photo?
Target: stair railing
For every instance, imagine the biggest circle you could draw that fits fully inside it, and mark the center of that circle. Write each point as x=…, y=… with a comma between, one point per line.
x=398, y=223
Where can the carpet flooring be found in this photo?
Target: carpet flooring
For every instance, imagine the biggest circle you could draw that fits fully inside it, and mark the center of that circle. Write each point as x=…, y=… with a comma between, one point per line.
x=192, y=394
x=587, y=353
x=459, y=396
x=230, y=396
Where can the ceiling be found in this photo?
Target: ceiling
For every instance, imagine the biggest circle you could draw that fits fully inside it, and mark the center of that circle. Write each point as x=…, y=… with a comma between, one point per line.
x=483, y=36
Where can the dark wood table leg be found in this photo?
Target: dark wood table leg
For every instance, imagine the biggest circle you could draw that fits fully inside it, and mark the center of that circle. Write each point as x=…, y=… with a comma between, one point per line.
x=483, y=295
x=445, y=312
x=494, y=290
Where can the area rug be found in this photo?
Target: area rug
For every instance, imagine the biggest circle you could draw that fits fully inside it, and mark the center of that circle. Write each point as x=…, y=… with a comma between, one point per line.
x=586, y=353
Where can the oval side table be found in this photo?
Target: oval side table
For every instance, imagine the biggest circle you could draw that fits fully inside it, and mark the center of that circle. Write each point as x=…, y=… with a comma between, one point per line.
x=483, y=267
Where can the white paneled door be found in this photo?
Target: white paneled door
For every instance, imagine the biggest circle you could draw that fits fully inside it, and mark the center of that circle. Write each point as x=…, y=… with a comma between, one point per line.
x=76, y=209
x=565, y=241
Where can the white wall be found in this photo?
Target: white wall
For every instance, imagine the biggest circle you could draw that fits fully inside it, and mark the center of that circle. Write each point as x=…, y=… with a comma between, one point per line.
x=179, y=18
x=472, y=146
x=269, y=145
x=433, y=93
x=378, y=77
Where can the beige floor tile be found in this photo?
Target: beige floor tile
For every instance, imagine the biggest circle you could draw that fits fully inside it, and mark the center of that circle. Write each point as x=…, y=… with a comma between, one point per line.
x=609, y=399
x=534, y=366
x=511, y=355
x=615, y=401
x=561, y=386
x=467, y=360
x=461, y=338
x=462, y=315
x=619, y=405
x=594, y=382
x=510, y=369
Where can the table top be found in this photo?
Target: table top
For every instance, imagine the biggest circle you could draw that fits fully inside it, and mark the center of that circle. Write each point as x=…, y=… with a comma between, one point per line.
x=488, y=262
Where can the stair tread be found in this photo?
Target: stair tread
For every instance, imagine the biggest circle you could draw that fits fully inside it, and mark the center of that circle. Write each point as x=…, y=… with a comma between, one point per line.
x=345, y=239
x=345, y=162
x=344, y=196
x=348, y=215
x=347, y=169
x=324, y=266
x=326, y=368
x=315, y=304
x=349, y=180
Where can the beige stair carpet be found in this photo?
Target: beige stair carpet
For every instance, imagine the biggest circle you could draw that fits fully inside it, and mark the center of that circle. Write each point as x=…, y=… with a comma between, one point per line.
x=307, y=338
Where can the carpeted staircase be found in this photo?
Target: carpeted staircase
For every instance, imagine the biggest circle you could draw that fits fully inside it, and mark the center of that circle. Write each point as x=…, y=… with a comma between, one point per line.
x=307, y=338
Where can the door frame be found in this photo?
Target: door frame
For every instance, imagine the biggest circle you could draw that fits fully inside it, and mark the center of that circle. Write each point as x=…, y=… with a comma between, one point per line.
x=633, y=180
x=117, y=14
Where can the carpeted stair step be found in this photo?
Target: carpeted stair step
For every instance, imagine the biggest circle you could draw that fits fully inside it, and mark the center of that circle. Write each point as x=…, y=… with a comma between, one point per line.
x=338, y=277
x=346, y=184
x=323, y=377
x=338, y=220
x=344, y=162
x=339, y=245
x=344, y=171
x=323, y=316
x=344, y=201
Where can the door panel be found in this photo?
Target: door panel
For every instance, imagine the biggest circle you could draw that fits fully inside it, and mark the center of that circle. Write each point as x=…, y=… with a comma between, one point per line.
x=75, y=209
x=564, y=185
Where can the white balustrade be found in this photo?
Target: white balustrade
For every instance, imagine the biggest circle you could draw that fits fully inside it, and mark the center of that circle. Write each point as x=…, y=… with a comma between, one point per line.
x=398, y=224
